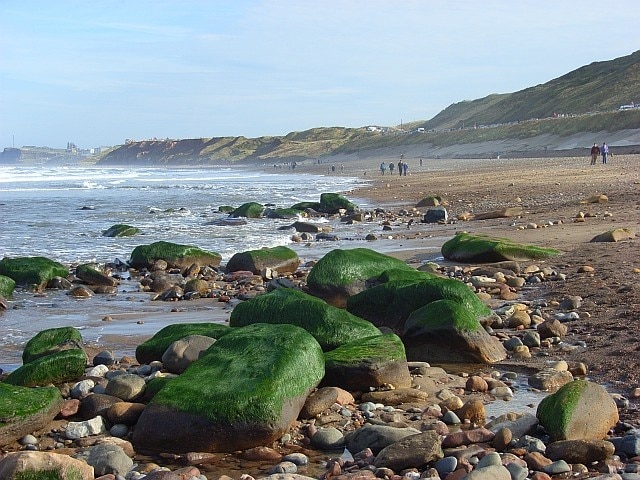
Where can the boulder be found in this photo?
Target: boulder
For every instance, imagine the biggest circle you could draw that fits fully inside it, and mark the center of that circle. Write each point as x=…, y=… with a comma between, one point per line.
x=615, y=235
x=88, y=274
x=579, y=410
x=184, y=352
x=414, y=451
x=465, y=247
x=446, y=331
x=44, y=465
x=7, y=285
x=306, y=227
x=580, y=451
x=153, y=349
x=50, y=341
x=106, y=458
x=32, y=272
x=376, y=437
x=248, y=210
x=126, y=387
x=120, y=230
x=402, y=292
x=430, y=201
x=56, y=368
x=282, y=213
x=435, y=215
x=368, y=362
x=232, y=399
x=329, y=325
x=24, y=410
x=549, y=379
x=334, y=202
x=342, y=273
x=282, y=259
x=323, y=399
x=176, y=255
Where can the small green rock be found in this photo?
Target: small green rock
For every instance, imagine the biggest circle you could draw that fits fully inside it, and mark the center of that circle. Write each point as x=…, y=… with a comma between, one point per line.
x=7, y=285
x=56, y=368
x=32, y=271
x=51, y=340
x=465, y=247
x=121, y=230
x=176, y=255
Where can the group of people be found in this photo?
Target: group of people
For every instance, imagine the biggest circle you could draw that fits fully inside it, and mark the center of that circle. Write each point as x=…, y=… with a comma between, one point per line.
x=403, y=168
x=596, y=151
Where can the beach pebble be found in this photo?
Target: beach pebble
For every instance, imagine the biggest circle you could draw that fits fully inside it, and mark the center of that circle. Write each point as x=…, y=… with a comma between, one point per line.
x=94, y=426
x=82, y=388
x=328, y=439
x=105, y=357
x=119, y=430
x=100, y=370
x=127, y=387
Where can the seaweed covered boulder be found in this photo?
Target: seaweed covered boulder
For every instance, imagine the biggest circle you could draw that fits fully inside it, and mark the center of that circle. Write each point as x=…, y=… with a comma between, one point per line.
x=465, y=247
x=402, y=291
x=579, y=410
x=342, y=273
x=56, y=368
x=447, y=331
x=176, y=255
x=282, y=259
x=334, y=202
x=248, y=210
x=329, y=325
x=7, y=285
x=32, y=272
x=91, y=275
x=232, y=398
x=282, y=213
x=24, y=410
x=153, y=348
x=368, y=362
x=120, y=230
x=49, y=341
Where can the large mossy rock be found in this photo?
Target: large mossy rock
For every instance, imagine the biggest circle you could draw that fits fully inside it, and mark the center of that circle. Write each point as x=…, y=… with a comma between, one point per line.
x=7, y=285
x=248, y=210
x=32, y=271
x=465, y=247
x=33, y=465
x=282, y=213
x=153, y=348
x=176, y=255
x=24, y=410
x=121, y=230
x=329, y=325
x=64, y=366
x=49, y=341
x=245, y=391
x=390, y=303
x=282, y=259
x=334, y=202
x=343, y=273
x=579, y=410
x=368, y=362
x=447, y=331
x=91, y=275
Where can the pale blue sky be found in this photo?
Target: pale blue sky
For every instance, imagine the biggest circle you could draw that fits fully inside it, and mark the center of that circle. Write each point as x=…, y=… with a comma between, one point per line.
x=98, y=72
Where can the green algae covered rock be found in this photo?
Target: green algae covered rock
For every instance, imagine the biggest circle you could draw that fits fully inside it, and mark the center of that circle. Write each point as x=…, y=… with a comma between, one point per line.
x=342, y=273
x=244, y=391
x=390, y=303
x=56, y=368
x=7, y=285
x=448, y=331
x=24, y=410
x=282, y=213
x=248, y=210
x=32, y=271
x=121, y=230
x=579, y=410
x=91, y=275
x=334, y=202
x=282, y=259
x=368, y=362
x=153, y=348
x=153, y=386
x=329, y=325
x=176, y=255
x=49, y=341
x=465, y=247
x=301, y=206
x=226, y=208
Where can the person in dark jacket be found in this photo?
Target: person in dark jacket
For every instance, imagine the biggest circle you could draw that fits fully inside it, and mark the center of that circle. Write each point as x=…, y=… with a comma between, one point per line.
x=595, y=151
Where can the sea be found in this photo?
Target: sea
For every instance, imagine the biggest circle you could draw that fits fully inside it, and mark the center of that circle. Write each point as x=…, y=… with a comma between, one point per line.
x=61, y=212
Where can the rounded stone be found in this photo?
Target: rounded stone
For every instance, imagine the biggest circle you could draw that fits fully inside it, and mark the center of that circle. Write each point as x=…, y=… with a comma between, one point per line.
x=105, y=357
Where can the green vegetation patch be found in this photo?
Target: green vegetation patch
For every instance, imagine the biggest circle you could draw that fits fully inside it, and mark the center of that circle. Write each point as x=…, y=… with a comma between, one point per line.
x=226, y=208
x=248, y=210
x=50, y=341
x=378, y=348
x=329, y=325
x=121, y=230
x=17, y=402
x=441, y=316
x=344, y=267
x=302, y=206
x=154, y=385
x=282, y=213
x=174, y=254
x=333, y=202
x=56, y=368
x=465, y=247
x=7, y=285
x=556, y=410
x=248, y=375
x=153, y=348
x=32, y=271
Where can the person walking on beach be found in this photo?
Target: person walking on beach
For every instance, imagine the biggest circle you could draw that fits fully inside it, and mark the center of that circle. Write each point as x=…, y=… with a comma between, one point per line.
x=383, y=168
x=595, y=152
x=391, y=166
x=405, y=167
x=605, y=152
x=400, y=167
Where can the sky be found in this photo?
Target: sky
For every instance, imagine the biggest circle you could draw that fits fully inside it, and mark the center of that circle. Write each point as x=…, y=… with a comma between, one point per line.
x=99, y=72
